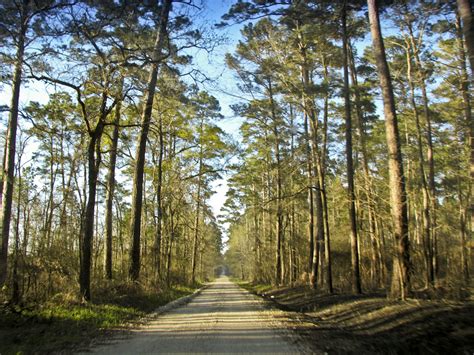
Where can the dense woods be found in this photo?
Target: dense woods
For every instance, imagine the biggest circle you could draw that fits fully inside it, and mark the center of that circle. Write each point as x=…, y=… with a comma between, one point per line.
x=353, y=171
x=354, y=168
x=124, y=119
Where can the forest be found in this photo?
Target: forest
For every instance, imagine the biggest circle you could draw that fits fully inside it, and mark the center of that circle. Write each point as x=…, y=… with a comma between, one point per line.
x=351, y=170
x=312, y=198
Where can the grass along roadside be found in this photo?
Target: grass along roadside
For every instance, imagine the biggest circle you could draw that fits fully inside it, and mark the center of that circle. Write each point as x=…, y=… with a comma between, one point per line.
x=258, y=289
x=63, y=324
x=370, y=323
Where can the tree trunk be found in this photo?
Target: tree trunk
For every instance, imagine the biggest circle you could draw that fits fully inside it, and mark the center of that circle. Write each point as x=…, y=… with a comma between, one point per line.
x=198, y=207
x=463, y=235
x=10, y=149
x=426, y=212
x=324, y=199
x=465, y=11
x=310, y=183
x=159, y=207
x=431, y=203
x=319, y=231
x=137, y=195
x=170, y=244
x=110, y=191
x=375, y=262
x=316, y=183
x=15, y=278
x=256, y=239
x=309, y=159
x=279, y=275
x=292, y=213
x=464, y=87
x=49, y=208
x=93, y=163
x=401, y=268
x=356, y=283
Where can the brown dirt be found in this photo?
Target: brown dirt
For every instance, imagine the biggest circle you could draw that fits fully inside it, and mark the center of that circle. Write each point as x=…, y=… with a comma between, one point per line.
x=223, y=318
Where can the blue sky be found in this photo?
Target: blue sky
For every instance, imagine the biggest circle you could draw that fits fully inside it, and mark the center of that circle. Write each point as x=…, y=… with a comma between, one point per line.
x=212, y=64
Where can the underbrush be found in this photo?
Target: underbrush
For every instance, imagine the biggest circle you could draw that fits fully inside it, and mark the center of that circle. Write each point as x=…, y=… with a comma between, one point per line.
x=252, y=287
x=64, y=323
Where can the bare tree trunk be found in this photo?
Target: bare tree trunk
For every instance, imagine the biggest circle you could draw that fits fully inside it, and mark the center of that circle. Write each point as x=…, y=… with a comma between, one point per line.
x=319, y=232
x=430, y=206
x=464, y=87
x=15, y=279
x=93, y=163
x=314, y=178
x=198, y=207
x=310, y=182
x=111, y=190
x=10, y=149
x=375, y=262
x=309, y=160
x=49, y=208
x=463, y=236
x=159, y=207
x=256, y=238
x=196, y=234
x=324, y=198
x=279, y=274
x=356, y=283
x=4, y=159
x=291, y=215
x=401, y=268
x=137, y=195
x=465, y=11
x=170, y=244
x=426, y=212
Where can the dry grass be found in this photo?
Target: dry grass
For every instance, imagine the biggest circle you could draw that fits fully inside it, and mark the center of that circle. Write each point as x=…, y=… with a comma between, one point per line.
x=64, y=324
x=370, y=323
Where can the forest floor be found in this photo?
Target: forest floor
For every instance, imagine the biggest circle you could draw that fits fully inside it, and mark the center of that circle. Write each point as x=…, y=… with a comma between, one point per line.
x=64, y=325
x=370, y=323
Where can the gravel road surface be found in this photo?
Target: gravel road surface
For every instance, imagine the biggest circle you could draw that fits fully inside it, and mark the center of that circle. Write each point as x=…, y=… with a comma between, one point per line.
x=223, y=318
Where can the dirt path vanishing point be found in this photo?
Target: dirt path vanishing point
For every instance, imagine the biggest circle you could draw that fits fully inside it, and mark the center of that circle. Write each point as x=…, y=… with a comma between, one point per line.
x=223, y=318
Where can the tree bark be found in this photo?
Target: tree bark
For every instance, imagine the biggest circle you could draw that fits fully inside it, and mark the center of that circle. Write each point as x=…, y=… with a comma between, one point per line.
x=256, y=238
x=464, y=87
x=426, y=211
x=279, y=275
x=111, y=190
x=137, y=195
x=159, y=207
x=465, y=11
x=93, y=163
x=324, y=198
x=318, y=187
x=198, y=210
x=10, y=149
x=356, y=283
x=16, y=296
x=401, y=269
x=316, y=220
x=430, y=205
x=376, y=271
x=310, y=182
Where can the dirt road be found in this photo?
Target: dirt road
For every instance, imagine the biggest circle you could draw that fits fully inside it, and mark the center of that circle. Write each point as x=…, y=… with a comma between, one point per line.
x=222, y=319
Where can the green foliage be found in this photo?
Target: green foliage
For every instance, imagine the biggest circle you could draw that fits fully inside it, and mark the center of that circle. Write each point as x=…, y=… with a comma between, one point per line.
x=280, y=42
